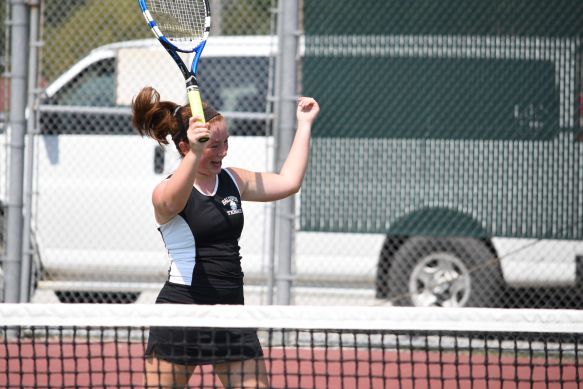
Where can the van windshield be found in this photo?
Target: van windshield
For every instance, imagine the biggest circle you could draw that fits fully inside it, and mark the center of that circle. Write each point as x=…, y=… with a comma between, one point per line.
x=233, y=85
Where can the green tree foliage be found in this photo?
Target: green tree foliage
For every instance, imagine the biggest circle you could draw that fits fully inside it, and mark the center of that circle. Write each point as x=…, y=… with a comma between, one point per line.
x=74, y=27
x=59, y=12
x=251, y=17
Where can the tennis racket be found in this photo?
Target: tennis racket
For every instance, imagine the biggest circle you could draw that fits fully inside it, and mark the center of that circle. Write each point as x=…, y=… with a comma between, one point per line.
x=181, y=26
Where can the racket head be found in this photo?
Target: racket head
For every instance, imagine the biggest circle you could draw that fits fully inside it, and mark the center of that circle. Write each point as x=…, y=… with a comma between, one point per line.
x=184, y=24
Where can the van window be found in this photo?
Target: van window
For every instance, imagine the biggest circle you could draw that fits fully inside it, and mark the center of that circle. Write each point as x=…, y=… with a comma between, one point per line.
x=237, y=85
x=93, y=91
x=93, y=87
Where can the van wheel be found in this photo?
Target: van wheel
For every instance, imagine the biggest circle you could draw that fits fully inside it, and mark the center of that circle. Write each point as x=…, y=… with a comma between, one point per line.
x=445, y=272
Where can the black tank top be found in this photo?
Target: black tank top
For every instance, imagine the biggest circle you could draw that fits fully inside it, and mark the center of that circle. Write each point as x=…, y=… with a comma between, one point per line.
x=216, y=223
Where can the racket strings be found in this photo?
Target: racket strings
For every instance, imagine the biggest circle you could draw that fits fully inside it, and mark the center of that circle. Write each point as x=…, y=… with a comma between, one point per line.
x=180, y=19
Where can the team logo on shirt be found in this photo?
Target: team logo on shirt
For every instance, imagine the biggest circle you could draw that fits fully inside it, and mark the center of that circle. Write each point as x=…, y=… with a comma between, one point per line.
x=232, y=203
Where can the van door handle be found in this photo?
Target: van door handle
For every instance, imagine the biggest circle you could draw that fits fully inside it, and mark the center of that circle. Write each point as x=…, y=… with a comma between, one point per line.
x=159, y=159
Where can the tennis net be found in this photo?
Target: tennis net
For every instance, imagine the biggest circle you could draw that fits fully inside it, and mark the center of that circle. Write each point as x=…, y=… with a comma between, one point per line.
x=92, y=346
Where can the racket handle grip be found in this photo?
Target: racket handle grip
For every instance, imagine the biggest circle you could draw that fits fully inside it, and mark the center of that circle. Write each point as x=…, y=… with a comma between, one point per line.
x=196, y=107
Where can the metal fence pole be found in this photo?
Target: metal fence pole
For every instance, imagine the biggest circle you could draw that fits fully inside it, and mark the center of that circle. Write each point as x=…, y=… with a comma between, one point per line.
x=31, y=122
x=284, y=127
x=271, y=147
x=16, y=123
x=217, y=17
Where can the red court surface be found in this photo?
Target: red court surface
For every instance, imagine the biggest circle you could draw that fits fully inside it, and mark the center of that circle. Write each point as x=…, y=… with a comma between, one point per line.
x=120, y=365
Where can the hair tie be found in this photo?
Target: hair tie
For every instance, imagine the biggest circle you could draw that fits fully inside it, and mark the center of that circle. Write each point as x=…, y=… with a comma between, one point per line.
x=181, y=134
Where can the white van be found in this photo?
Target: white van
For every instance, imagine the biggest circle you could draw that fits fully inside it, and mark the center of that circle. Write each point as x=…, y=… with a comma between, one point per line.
x=94, y=177
x=95, y=234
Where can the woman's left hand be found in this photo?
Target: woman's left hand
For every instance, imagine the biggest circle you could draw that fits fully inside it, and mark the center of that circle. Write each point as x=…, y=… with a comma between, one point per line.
x=307, y=111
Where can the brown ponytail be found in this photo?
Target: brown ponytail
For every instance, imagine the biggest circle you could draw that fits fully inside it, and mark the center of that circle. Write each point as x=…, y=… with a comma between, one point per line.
x=158, y=119
x=152, y=117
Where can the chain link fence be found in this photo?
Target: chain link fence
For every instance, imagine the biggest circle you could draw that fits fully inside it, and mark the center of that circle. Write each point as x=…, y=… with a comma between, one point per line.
x=445, y=166
x=93, y=225
x=452, y=130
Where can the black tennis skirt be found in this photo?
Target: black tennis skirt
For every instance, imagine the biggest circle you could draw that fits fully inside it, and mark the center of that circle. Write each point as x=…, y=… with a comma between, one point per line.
x=200, y=346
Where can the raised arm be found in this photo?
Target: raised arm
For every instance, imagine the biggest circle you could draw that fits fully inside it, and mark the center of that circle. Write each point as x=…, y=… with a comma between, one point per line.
x=256, y=186
x=170, y=196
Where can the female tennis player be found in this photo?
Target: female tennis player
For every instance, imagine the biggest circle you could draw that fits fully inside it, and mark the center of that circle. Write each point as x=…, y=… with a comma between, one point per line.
x=198, y=209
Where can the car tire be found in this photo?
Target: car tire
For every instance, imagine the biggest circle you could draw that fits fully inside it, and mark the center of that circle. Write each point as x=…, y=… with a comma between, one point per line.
x=448, y=272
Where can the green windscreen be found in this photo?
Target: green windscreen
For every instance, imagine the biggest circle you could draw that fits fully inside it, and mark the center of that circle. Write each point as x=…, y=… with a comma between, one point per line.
x=445, y=118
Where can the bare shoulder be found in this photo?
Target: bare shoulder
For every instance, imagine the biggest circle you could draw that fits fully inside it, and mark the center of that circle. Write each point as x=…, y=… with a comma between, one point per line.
x=161, y=215
x=242, y=176
x=158, y=190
